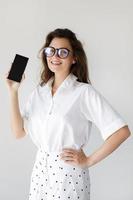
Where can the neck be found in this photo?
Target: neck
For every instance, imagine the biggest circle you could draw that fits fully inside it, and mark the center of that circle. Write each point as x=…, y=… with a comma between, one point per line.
x=58, y=79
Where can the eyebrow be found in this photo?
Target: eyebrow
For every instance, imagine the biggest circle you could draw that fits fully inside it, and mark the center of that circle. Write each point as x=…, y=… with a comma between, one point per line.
x=60, y=47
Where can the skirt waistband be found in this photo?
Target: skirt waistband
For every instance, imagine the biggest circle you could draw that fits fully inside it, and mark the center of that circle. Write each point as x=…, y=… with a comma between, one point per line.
x=48, y=153
x=46, y=158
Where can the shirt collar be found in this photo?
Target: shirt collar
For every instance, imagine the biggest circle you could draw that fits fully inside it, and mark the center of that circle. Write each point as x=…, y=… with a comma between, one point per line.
x=69, y=80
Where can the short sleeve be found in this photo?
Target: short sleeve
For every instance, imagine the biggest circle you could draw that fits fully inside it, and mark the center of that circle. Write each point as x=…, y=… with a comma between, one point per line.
x=26, y=109
x=99, y=111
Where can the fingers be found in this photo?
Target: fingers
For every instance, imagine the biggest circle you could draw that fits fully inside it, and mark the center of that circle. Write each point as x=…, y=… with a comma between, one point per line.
x=6, y=74
x=23, y=76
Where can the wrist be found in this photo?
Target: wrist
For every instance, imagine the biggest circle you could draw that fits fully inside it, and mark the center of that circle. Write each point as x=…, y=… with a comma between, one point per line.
x=90, y=161
x=13, y=91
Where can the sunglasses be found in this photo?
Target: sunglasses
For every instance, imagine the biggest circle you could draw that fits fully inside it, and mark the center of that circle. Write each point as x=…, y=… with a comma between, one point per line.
x=61, y=52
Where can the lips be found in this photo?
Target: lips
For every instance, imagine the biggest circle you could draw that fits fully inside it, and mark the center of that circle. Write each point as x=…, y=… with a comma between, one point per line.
x=56, y=62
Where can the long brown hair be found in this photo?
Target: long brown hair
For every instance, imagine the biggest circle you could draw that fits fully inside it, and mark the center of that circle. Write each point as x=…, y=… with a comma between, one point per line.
x=79, y=69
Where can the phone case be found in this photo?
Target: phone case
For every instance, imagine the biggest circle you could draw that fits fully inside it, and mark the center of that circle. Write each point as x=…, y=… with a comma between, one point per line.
x=18, y=68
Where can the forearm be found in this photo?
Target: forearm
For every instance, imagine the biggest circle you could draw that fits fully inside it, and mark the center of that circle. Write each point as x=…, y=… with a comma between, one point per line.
x=15, y=115
x=112, y=143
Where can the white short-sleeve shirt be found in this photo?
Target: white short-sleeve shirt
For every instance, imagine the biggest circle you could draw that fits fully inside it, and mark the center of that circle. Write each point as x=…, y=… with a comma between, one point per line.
x=65, y=119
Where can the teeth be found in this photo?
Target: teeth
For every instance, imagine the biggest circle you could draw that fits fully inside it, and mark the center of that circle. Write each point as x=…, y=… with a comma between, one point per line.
x=56, y=63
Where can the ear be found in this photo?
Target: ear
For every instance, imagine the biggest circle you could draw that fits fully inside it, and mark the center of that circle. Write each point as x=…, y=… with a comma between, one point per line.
x=74, y=61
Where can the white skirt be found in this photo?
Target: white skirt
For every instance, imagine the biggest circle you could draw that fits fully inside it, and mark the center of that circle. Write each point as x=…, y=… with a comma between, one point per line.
x=53, y=179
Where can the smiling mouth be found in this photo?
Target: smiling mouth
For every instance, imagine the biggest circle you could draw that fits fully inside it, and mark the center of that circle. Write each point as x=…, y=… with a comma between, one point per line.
x=55, y=63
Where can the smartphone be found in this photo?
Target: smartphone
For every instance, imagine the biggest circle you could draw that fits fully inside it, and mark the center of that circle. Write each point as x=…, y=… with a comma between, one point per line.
x=17, y=68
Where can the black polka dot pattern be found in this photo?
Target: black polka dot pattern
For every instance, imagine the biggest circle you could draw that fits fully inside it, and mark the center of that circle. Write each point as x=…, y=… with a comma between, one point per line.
x=52, y=179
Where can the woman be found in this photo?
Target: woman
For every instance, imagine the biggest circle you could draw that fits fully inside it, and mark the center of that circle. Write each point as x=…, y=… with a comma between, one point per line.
x=60, y=112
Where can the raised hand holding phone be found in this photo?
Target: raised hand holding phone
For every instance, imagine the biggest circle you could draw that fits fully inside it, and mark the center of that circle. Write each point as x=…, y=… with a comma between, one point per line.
x=14, y=78
x=17, y=68
x=13, y=85
x=16, y=73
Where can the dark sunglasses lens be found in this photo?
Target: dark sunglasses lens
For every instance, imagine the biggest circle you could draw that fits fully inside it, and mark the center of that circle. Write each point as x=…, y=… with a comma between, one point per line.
x=63, y=53
x=49, y=51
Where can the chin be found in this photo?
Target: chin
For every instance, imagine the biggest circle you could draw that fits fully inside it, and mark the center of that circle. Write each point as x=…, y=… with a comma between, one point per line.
x=55, y=68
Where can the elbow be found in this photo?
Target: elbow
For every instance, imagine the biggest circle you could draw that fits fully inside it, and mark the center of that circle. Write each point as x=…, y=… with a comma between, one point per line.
x=20, y=134
x=125, y=132
x=18, y=137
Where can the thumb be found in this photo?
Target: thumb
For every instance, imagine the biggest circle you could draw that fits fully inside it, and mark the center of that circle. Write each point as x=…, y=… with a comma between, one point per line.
x=81, y=148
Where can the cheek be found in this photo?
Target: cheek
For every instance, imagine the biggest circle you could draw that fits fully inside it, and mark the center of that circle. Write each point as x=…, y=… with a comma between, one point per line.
x=67, y=62
x=48, y=60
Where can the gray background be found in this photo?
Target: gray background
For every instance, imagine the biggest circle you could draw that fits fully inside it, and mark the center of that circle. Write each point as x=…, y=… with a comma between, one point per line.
x=105, y=29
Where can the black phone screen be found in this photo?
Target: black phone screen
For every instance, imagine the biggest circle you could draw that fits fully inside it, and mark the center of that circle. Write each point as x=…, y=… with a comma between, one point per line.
x=18, y=67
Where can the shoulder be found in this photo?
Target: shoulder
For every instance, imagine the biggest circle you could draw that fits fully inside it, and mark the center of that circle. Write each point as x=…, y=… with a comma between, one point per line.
x=90, y=93
x=88, y=89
